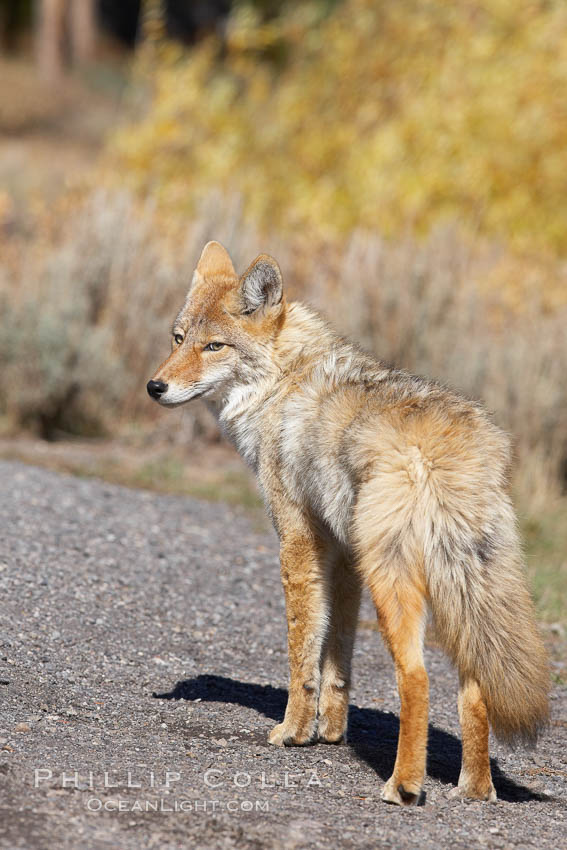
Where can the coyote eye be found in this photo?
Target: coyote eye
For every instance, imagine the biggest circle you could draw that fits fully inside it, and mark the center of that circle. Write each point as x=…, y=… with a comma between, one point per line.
x=213, y=346
x=178, y=338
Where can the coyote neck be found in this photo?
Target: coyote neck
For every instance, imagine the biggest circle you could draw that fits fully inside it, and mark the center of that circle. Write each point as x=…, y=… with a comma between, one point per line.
x=304, y=339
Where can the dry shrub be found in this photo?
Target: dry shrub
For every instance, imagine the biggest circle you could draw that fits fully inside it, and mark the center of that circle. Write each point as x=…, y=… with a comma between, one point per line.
x=86, y=321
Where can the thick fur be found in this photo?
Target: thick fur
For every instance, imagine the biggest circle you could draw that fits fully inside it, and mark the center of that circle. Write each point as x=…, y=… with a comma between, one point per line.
x=441, y=481
x=373, y=476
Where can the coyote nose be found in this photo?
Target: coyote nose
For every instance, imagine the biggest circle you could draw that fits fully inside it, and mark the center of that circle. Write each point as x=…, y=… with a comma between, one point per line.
x=156, y=388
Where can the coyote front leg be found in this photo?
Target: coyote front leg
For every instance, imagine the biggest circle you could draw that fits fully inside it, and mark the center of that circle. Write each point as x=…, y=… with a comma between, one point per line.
x=302, y=570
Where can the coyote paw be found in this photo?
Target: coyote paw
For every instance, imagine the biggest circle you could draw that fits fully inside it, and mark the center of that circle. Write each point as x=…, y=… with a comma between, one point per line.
x=463, y=792
x=338, y=738
x=332, y=730
x=409, y=794
x=287, y=735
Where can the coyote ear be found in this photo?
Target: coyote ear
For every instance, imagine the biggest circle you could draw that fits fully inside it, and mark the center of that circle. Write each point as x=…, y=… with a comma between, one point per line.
x=215, y=261
x=261, y=285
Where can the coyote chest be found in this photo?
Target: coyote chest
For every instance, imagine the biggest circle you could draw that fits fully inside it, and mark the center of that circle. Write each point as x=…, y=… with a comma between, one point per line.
x=291, y=438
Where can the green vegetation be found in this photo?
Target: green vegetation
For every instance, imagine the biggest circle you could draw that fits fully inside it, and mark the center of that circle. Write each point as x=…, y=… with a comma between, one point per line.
x=168, y=474
x=545, y=538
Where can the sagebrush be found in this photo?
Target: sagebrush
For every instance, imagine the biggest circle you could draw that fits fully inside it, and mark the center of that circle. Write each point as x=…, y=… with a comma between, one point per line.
x=84, y=317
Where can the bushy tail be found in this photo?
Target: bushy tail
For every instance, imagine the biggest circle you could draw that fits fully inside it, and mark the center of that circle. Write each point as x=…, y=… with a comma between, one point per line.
x=485, y=619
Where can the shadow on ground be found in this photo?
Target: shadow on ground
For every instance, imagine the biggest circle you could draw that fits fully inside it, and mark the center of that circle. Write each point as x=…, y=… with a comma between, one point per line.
x=372, y=734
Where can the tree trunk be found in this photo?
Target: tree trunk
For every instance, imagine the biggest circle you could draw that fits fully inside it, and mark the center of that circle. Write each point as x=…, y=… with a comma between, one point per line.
x=50, y=31
x=83, y=27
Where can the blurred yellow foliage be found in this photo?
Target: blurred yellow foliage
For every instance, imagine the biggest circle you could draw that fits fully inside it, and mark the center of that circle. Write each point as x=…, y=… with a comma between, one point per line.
x=383, y=114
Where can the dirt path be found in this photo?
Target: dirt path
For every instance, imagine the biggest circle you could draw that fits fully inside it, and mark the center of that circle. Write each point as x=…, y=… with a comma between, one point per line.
x=143, y=636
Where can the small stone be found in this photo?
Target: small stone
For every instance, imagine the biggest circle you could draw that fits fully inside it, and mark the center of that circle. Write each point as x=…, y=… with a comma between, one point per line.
x=22, y=727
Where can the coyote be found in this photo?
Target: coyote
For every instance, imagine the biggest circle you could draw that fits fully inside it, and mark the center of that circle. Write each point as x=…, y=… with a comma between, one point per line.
x=370, y=476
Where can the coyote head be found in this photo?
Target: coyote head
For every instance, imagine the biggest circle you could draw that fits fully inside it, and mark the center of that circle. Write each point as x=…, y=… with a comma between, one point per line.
x=224, y=334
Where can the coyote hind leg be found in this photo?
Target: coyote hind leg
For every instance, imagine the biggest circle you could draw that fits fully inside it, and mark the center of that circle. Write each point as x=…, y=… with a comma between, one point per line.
x=344, y=593
x=401, y=606
x=475, y=780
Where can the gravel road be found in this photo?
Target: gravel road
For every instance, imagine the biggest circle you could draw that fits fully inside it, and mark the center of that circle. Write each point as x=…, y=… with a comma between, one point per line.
x=143, y=663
